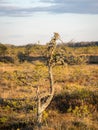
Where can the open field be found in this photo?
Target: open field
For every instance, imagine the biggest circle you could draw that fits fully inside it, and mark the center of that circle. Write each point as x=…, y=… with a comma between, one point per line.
x=74, y=106
x=75, y=102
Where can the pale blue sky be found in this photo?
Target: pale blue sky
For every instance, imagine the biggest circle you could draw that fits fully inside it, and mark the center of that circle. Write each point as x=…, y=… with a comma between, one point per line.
x=29, y=21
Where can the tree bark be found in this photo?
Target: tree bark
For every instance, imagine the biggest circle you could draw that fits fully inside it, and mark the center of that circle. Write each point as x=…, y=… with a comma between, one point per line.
x=41, y=107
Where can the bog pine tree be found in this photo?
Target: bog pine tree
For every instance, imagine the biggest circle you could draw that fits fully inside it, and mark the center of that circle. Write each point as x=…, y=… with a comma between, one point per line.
x=51, y=47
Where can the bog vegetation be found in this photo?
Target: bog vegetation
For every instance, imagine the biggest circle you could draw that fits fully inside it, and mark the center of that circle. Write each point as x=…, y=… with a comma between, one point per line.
x=75, y=102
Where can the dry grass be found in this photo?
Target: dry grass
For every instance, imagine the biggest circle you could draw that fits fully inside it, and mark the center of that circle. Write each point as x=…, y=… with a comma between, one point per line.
x=73, y=85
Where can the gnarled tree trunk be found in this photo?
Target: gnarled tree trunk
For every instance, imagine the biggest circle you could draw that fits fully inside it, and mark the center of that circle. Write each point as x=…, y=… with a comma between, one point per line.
x=47, y=96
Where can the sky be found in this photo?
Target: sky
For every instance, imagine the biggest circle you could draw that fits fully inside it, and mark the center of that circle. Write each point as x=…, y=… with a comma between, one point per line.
x=33, y=21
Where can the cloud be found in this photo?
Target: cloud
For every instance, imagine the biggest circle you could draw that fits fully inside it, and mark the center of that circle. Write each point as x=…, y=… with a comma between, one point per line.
x=55, y=6
x=4, y=2
x=73, y=6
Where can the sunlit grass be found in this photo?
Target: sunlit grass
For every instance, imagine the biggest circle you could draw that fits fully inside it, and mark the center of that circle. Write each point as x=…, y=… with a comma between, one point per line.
x=76, y=88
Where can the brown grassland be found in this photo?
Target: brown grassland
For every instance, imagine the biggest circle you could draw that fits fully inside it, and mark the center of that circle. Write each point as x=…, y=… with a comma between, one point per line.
x=75, y=103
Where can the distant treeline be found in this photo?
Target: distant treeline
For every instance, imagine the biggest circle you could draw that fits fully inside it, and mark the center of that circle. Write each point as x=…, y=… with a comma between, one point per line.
x=82, y=44
x=73, y=53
